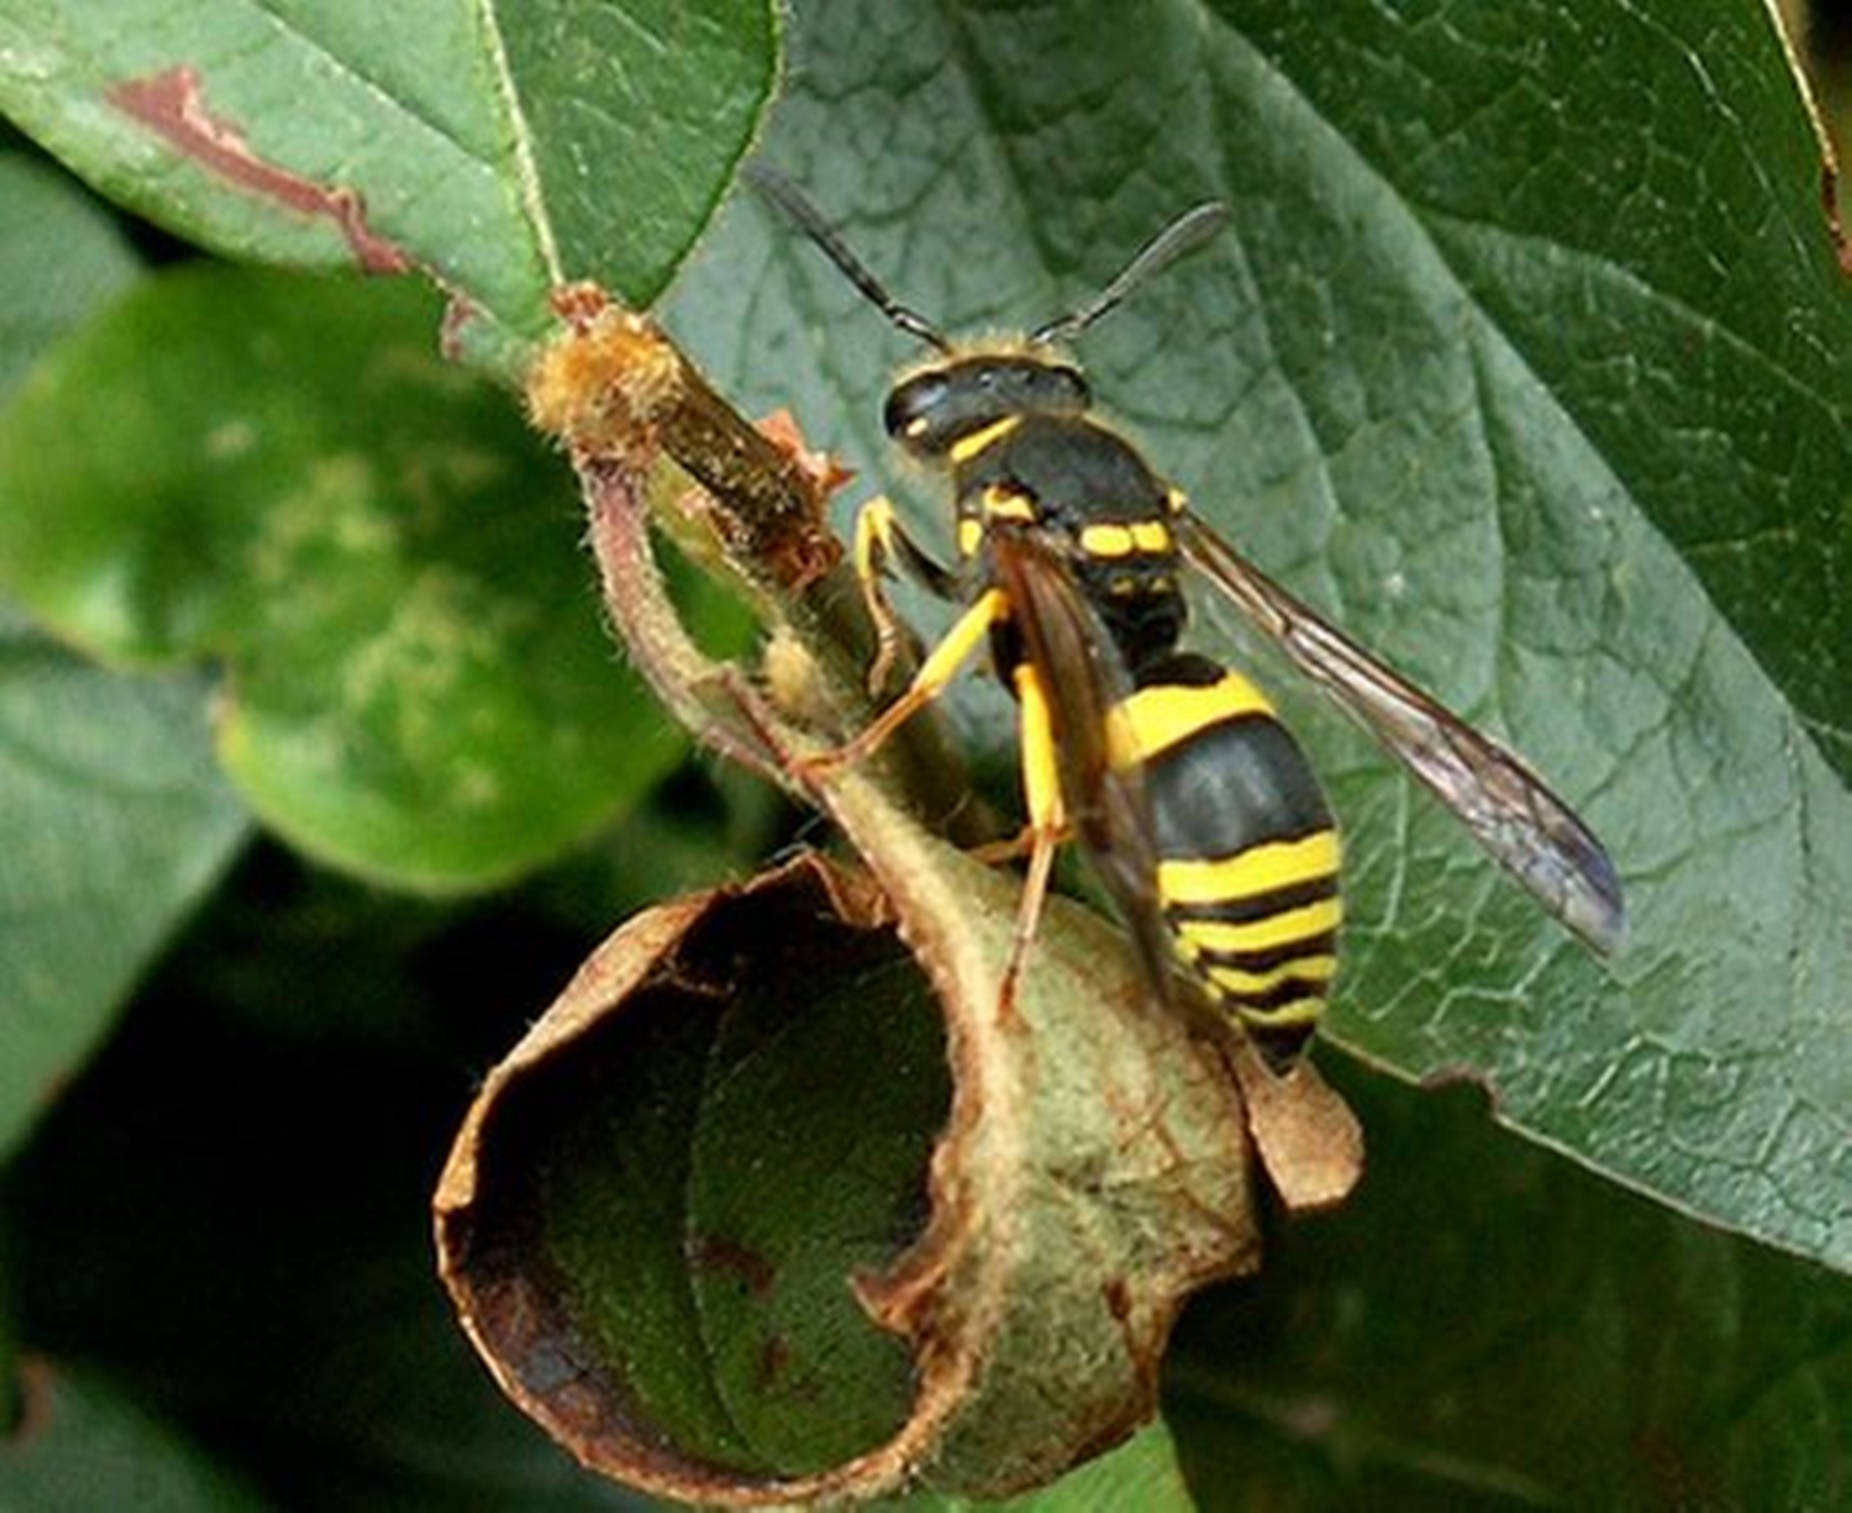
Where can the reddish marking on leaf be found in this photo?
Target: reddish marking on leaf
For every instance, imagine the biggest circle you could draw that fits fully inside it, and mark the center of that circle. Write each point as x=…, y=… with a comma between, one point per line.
x=716, y=1253
x=172, y=106
x=459, y=311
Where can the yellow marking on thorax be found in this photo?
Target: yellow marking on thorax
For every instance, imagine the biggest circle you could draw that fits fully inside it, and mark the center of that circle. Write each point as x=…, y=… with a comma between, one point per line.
x=965, y=448
x=1177, y=500
x=1111, y=539
x=1157, y=718
x=1000, y=502
x=1259, y=869
x=1307, y=922
x=970, y=536
x=1106, y=540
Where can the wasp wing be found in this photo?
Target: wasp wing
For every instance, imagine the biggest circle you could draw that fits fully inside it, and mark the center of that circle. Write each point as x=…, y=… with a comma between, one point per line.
x=1511, y=811
x=1085, y=679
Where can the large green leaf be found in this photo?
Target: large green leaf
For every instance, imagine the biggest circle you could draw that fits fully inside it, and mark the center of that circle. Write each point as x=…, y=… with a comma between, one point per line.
x=60, y=258
x=1484, y=1327
x=504, y=148
x=1521, y=359
x=279, y=473
x=113, y=818
x=113, y=821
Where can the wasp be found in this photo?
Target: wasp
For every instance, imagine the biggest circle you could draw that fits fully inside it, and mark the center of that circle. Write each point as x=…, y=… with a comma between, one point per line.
x=1197, y=807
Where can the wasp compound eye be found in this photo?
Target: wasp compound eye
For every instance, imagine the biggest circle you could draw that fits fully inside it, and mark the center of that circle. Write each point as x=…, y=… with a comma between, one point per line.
x=912, y=406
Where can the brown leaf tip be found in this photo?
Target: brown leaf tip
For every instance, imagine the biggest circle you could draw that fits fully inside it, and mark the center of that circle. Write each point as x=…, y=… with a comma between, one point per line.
x=1308, y=1140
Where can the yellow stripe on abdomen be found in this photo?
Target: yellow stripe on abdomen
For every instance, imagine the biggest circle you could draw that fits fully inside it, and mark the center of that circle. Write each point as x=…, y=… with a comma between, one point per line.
x=1257, y=870
x=1155, y=719
x=1315, y=972
x=1300, y=1016
x=1307, y=922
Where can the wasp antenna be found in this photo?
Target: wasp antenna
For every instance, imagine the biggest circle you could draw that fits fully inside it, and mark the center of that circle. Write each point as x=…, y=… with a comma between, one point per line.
x=789, y=200
x=1182, y=236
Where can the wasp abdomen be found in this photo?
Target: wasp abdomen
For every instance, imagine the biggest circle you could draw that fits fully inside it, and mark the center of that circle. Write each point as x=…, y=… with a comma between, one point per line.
x=1247, y=853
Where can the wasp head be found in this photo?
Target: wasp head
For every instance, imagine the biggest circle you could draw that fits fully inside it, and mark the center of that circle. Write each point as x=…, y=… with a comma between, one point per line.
x=934, y=408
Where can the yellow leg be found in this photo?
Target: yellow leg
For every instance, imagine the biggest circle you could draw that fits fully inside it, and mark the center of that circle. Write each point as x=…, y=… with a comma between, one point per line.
x=875, y=527
x=1041, y=788
x=880, y=539
x=959, y=646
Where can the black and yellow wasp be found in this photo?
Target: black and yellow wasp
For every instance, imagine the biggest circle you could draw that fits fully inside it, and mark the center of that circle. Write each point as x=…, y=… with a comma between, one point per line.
x=1195, y=804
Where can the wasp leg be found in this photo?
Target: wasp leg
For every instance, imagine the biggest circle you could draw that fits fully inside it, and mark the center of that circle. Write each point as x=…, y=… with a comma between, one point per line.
x=879, y=537
x=961, y=642
x=1012, y=848
x=1041, y=789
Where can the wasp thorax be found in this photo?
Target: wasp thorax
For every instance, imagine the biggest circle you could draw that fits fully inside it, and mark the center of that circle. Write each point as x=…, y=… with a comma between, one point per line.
x=930, y=411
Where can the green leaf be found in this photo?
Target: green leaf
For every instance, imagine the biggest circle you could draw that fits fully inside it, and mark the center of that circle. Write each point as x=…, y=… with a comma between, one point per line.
x=113, y=818
x=726, y=1295
x=60, y=258
x=1485, y=1327
x=85, y=1445
x=279, y=474
x=1522, y=360
x=114, y=822
x=504, y=149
